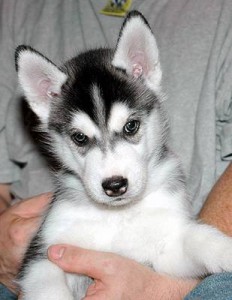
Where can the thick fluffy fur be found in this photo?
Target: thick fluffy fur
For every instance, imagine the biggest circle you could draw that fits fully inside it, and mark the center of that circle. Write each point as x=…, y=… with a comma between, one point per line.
x=120, y=188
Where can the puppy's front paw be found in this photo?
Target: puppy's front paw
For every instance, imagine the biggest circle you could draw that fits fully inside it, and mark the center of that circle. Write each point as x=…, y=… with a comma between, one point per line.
x=47, y=296
x=221, y=258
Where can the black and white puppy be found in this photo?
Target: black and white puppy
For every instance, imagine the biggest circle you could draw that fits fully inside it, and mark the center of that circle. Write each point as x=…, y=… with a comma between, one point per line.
x=120, y=187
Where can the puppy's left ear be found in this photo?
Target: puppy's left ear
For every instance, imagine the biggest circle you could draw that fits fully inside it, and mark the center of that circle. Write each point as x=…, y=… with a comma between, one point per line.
x=137, y=51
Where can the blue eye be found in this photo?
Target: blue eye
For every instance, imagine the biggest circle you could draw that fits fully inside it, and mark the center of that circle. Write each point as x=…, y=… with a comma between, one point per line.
x=79, y=138
x=131, y=127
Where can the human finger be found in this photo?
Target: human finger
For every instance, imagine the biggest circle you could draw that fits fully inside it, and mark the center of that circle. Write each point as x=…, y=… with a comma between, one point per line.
x=92, y=263
x=22, y=230
x=33, y=206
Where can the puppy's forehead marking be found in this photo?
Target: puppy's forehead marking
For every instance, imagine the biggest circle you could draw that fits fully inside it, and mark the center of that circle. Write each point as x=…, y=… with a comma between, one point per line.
x=81, y=121
x=99, y=108
x=118, y=117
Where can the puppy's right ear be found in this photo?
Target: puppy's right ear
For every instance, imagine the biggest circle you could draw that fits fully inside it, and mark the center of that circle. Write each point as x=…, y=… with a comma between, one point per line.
x=40, y=80
x=137, y=51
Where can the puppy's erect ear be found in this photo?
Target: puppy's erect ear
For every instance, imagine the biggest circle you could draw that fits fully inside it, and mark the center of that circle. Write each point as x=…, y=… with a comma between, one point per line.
x=137, y=51
x=40, y=79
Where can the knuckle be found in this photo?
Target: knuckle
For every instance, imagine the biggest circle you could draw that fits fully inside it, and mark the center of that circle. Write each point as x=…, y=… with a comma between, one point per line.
x=71, y=257
x=110, y=266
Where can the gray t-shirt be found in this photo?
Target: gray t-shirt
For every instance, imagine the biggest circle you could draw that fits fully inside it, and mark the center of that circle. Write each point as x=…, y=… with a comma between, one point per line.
x=195, y=42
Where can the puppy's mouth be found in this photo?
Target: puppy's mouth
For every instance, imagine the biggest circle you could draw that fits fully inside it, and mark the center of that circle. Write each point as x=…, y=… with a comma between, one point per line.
x=118, y=201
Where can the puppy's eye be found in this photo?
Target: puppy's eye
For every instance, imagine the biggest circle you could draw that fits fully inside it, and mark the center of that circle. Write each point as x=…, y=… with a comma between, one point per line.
x=131, y=127
x=79, y=138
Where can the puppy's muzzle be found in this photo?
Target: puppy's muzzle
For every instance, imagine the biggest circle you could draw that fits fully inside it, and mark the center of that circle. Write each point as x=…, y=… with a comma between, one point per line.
x=115, y=186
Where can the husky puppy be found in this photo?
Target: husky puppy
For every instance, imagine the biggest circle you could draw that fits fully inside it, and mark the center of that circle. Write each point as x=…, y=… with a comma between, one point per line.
x=120, y=187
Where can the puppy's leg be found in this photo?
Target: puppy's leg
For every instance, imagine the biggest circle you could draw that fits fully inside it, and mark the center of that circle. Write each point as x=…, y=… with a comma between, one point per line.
x=44, y=281
x=78, y=284
x=193, y=250
x=209, y=248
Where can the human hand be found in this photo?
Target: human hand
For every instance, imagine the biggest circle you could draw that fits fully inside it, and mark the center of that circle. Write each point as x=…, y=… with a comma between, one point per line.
x=18, y=224
x=116, y=277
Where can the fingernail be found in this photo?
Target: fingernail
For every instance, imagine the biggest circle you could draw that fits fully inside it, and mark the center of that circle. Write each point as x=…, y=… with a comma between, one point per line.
x=56, y=252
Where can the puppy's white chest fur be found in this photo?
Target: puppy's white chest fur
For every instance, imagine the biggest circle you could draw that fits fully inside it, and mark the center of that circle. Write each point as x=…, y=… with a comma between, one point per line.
x=142, y=231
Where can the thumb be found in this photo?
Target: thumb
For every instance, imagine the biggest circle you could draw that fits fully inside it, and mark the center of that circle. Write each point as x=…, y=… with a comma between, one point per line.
x=95, y=264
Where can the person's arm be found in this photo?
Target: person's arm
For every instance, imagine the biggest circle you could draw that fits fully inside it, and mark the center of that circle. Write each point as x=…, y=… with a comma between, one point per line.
x=18, y=223
x=5, y=197
x=217, y=210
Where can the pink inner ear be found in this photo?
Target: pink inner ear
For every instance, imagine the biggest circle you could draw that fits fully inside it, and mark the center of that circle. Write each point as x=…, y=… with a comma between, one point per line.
x=45, y=88
x=137, y=70
x=139, y=66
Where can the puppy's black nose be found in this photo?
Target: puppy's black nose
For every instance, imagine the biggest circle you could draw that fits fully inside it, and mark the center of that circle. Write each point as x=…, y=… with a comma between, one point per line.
x=115, y=186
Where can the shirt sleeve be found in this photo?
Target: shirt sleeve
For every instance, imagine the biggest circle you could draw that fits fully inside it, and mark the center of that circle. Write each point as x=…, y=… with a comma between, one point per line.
x=9, y=171
x=224, y=85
